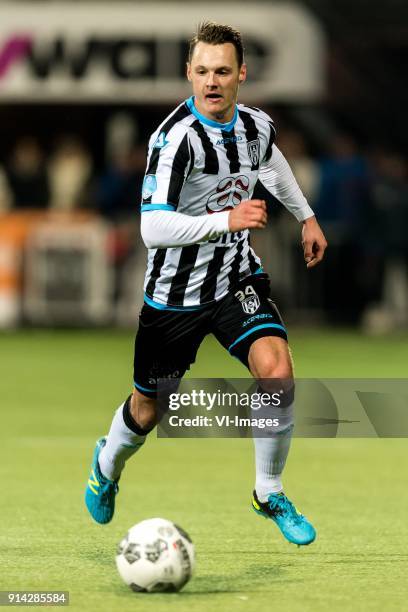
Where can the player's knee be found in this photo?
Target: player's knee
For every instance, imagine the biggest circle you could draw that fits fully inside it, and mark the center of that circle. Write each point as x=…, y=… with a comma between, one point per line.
x=275, y=377
x=274, y=367
x=269, y=357
x=143, y=411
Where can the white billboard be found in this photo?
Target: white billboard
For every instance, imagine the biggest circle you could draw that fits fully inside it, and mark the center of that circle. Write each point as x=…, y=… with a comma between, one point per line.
x=136, y=52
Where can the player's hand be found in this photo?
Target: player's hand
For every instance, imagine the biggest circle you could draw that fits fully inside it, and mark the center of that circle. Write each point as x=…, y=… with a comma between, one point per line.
x=249, y=214
x=313, y=241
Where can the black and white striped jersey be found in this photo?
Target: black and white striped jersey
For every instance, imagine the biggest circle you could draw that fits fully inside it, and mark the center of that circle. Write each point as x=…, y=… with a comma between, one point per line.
x=198, y=168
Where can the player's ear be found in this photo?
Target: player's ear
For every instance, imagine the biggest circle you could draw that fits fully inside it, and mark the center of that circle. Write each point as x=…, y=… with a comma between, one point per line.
x=188, y=70
x=242, y=74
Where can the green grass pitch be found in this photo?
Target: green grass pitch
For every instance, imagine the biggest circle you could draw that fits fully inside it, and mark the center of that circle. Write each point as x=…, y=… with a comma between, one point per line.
x=58, y=391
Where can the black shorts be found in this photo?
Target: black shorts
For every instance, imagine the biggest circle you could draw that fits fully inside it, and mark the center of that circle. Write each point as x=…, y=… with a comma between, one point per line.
x=167, y=341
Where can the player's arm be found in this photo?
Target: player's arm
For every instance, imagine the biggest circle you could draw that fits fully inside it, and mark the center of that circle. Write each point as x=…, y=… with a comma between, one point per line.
x=165, y=228
x=276, y=175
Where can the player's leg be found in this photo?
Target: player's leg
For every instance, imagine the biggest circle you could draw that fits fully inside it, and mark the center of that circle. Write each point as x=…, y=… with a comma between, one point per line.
x=270, y=363
x=165, y=345
x=126, y=434
x=249, y=325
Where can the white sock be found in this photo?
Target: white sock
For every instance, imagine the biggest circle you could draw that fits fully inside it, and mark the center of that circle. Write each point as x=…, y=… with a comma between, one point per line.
x=121, y=444
x=270, y=459
x=272, y=445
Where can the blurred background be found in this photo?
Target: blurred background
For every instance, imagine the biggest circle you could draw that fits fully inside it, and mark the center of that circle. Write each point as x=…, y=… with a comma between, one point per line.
x=83, y=85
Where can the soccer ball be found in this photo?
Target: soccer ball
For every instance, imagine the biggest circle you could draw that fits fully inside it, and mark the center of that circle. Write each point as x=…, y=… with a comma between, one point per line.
x=155, y=555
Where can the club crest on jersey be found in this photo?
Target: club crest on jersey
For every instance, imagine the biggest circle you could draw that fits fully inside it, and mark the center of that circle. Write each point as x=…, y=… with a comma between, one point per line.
x=160, y=141
x=253, y=151
x=149, y=186
x=249, y=299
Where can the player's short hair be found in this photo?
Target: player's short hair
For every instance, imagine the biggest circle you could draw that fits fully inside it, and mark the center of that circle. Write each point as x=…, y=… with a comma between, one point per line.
x=216, y=34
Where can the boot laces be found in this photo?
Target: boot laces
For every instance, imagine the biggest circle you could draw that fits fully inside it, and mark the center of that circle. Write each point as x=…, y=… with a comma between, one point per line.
x=281, y=505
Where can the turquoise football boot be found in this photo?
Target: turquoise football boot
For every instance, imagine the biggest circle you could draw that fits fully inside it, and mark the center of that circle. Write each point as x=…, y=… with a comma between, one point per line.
x=100, y=491
x=293, y=525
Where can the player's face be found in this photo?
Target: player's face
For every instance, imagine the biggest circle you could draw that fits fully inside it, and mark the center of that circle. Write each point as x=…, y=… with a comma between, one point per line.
x=215, y=76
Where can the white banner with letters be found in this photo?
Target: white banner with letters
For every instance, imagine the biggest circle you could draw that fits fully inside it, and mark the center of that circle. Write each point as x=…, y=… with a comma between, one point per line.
x=136, y=52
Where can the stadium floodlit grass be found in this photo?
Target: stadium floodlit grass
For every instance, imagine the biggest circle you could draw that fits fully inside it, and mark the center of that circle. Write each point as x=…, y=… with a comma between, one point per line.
x=58, y=390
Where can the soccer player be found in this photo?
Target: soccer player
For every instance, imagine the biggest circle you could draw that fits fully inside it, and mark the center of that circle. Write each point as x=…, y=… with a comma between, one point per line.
x=203, y=163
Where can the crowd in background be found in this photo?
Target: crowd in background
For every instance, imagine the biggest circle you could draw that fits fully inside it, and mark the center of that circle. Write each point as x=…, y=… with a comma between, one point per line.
x=360, y=197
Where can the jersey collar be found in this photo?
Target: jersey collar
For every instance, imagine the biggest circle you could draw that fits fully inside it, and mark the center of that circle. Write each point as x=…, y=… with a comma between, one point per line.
x=227, y=127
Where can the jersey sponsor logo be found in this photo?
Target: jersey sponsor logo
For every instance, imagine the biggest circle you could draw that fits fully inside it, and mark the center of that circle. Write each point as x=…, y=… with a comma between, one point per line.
x=229, y=192
x=160, y=141
x=256, y=318
x=253, y=151
x=227, y=140
x=149, y=186
x=249, y=299
x=228, y=238
x=153, y=379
